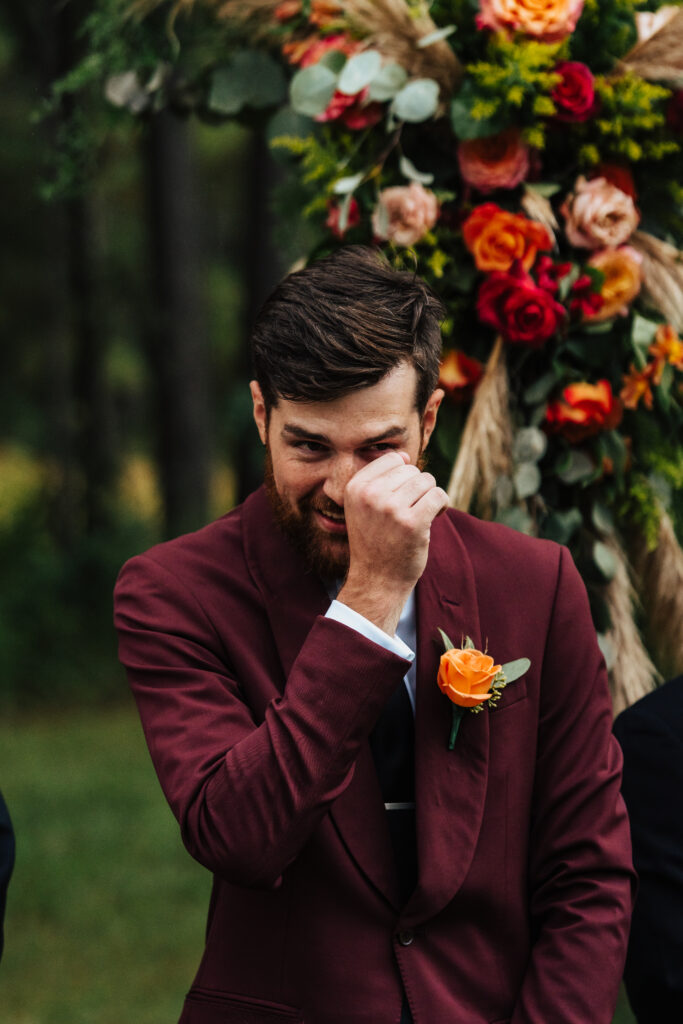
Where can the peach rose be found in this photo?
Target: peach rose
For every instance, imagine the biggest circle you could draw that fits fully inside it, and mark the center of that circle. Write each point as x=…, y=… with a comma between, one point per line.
x=499, y=161
x=497, y=238
x=546, y=20
x=465, y=676
x=598, y=214
x=405, y=213
x=623, y=277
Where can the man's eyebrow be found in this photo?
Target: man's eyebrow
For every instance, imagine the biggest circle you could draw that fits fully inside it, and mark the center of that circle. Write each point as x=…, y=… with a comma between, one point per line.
x=394, y=433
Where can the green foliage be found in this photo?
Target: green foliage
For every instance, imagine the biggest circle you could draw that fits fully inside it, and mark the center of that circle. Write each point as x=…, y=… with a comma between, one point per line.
x=632, y=114
x=513, y=85
x=605, y=32
x=641, y=509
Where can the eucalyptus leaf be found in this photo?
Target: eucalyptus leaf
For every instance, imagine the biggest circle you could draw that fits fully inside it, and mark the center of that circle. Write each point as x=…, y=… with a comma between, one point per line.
x=346, y=185
x=389, y=80
x=503, y=492
x=251, y=79
x=514, y=670
x=527, y=479
x=540, y=389
x=410, y=171
x=417, y=101
x=437, y=36
x=344, y=208
x=358, y=72
x=575, y=467
x=605, y=560
x=643, y=331
x=311, y=89
x=516, y=518
x=602, y=518
x=334, y=60
x=448, y=644
x=546, y=189
x=561, y=526
x=530, y=445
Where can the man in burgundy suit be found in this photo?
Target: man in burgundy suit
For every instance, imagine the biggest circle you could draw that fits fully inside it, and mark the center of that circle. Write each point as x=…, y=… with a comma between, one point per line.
x=284, y=660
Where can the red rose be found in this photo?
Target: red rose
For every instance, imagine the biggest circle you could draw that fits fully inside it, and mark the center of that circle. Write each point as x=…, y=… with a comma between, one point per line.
x=353, y=217
x=353, y=111
x=619, y=176
x=585, y=409
x=549, y=273
x=574, y=96
x=674, y=112
x=515, y=306
x=585, y=300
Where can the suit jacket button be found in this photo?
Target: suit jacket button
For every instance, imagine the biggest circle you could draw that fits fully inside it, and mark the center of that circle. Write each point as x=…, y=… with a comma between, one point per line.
x=406, y=937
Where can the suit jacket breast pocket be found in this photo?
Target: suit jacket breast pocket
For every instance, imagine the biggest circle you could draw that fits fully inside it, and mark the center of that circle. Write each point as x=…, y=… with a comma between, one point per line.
x=207, y=1006
x=512, y=694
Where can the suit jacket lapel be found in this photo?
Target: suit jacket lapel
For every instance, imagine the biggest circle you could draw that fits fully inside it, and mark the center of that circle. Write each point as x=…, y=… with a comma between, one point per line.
x=450, y=784
x=293, y=598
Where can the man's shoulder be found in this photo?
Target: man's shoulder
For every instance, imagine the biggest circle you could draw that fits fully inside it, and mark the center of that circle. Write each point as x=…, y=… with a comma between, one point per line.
x=216, y=549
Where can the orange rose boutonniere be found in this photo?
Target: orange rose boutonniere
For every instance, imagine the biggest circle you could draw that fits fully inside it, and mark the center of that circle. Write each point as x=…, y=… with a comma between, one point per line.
x=471, y=680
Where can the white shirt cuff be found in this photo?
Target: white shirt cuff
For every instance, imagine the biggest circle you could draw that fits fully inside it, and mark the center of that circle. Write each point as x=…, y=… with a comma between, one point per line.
x=341, y=612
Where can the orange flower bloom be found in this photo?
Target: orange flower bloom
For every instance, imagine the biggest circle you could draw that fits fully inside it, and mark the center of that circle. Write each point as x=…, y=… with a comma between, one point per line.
x=585, y=409
x=623, y=277
x=666, y=348
x=497, y=238
x=465, y=676
x=287, y=9
x=325, y=12
x=459, y=374
x=311, y=49
x=548, y=20
x=637, y=386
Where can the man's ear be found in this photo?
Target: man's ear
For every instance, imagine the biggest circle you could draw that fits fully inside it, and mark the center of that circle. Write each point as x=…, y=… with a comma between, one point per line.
x=429, y=415
x=260, y=412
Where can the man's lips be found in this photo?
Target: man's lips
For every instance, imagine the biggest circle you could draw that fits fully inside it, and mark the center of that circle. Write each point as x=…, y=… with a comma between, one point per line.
x=330, y=522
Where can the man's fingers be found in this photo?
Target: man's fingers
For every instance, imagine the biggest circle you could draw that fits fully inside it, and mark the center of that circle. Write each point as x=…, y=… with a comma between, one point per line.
x=384, y=464
x=433, y=502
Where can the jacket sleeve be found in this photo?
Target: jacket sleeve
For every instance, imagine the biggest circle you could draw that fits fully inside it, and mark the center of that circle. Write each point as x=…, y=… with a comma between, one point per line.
x=247, y=794
x=580, y=873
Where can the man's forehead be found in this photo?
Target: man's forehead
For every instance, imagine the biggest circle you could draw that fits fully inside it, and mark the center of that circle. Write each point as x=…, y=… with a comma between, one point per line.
x=361, y=433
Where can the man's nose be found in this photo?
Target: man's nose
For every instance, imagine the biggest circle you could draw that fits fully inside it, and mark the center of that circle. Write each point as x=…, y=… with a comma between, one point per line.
x=341, y=471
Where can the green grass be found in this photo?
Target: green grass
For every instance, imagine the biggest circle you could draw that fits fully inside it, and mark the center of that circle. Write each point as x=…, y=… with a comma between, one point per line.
x=106, y=910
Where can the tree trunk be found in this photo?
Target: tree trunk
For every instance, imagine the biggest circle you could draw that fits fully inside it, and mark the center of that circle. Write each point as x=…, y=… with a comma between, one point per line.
x=178, y=346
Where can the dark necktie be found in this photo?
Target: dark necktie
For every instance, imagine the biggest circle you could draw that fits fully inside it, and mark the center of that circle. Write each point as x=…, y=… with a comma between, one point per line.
x=393, y=747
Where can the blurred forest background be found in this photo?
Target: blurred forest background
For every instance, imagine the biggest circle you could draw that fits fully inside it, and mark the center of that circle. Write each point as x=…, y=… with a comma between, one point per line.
x=124, y=419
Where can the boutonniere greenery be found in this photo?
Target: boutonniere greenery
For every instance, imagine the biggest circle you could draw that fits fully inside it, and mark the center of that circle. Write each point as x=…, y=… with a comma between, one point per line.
x=472, y=681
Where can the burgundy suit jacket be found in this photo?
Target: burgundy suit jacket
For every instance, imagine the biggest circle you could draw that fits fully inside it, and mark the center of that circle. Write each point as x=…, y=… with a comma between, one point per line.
x=257, y=711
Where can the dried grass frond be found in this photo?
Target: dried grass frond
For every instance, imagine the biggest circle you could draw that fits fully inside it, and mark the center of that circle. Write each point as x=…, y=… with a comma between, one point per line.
x=393, y=28
x=660, y=573
x=539, y=208
x=659, y=58
x=662, y=270
x=632, y=673
x=484, y=452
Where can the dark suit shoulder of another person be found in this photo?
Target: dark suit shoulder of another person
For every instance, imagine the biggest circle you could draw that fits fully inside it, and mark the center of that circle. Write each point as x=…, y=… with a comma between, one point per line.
x=6, y=860
x=651, y=736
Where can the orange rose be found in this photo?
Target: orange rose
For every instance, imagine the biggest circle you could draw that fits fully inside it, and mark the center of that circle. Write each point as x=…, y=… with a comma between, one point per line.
x=498, y=161
x=497, y=238
x=585, y=409
x=465, y=676
x=623, y=277
x=458, y=374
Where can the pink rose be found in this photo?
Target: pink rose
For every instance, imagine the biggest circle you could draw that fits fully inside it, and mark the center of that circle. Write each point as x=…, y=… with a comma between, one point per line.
x=546, y=20
x=498, y=161
x=574, y=96
x=405, y=213
x=598, y=214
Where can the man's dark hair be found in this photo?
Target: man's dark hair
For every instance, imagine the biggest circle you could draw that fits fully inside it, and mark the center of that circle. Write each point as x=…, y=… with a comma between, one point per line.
x=343, y=323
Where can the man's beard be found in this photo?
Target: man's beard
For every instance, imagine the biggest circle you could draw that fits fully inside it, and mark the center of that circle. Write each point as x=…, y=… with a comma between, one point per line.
x=326, y=554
